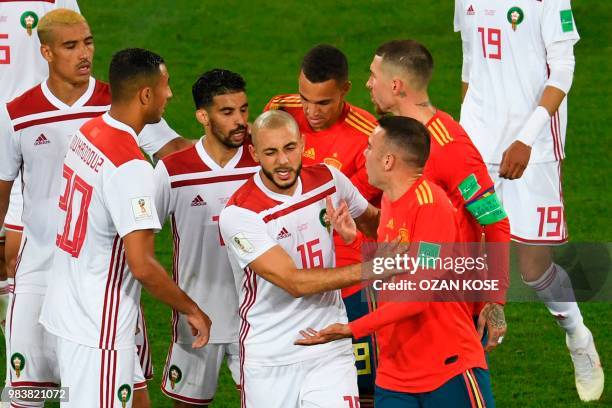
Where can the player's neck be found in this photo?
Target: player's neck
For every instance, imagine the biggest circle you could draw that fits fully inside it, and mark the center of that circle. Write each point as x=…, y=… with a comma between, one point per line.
x=220, y=153
x=126, y=114
x=65, y=91
x=417, y=106
x=398, y=184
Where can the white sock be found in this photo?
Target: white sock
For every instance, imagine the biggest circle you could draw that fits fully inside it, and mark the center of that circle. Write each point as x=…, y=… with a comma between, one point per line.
x=554, y=288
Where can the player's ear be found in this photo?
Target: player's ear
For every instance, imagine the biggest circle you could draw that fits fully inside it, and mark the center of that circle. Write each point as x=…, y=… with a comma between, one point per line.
x=145, y=95
x=202, y=117
x=346, y=87
x=253, y=153
x=46, y=53
x=389, y=161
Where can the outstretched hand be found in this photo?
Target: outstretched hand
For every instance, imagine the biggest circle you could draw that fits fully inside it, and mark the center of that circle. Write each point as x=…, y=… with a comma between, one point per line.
x=341, y=220
x=333, y=332
x=493, y=318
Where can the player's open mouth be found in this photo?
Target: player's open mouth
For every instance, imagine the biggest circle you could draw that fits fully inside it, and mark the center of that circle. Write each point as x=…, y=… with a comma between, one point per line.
x=84, y=68
x=284, y=174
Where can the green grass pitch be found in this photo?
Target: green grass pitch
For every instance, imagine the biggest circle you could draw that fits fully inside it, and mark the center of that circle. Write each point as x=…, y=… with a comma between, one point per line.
x=264, y=41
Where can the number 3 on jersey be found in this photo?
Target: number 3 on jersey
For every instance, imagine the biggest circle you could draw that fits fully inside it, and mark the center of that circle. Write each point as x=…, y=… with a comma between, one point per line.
x=79, y=192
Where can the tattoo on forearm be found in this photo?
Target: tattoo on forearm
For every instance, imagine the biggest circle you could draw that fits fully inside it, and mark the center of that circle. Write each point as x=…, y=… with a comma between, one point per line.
x=496, y=317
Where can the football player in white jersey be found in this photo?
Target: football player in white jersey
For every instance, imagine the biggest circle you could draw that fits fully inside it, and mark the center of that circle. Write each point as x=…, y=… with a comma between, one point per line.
x=21, y=67
x=518, y=66
x=34, y=132
x=273, y=226
x=192, y=187
x=105, y=243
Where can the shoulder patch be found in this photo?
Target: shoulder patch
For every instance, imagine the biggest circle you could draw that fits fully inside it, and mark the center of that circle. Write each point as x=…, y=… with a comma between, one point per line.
x=439, y=132
x=29, y=103
x=184, y=162
x=360, y=121
x=424, y=194
x=118, y=146
x=285, y=101
x=315, y=176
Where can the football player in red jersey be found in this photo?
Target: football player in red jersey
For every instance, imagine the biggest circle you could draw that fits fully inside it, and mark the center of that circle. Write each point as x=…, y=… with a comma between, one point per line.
x=430, y=354
x=336, y=133
x=399, y=77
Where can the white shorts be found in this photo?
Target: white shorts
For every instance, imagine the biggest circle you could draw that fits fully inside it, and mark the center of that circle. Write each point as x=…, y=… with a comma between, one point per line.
x=143, y=350
x=324, y=382
x=12, y=220
x=534, y=203
x=191, y=375
x=96, y=377
x=32, y=360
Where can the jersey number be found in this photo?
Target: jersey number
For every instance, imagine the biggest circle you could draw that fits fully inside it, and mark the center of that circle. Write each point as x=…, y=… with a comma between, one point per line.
x=490, y=39
x=5, y=51
x=79, y=192
x=311, y=257
x=551, y=216
x=353, y=401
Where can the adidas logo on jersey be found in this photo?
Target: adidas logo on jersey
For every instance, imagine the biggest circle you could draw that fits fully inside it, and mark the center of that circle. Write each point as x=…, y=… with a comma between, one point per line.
x=310, y=153
x=198, y=201
x=283, y=234
x=41, y=140
x=470, y=10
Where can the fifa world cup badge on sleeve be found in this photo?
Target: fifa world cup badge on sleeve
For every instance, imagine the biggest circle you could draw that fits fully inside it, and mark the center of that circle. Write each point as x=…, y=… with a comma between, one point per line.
x=515, y=17
x=176, y=375
x=141, y=207
x=242, y=244
x=18, y=363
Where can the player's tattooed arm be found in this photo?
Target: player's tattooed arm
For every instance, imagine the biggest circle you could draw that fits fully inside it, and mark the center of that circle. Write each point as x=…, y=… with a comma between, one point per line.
x=493, y=317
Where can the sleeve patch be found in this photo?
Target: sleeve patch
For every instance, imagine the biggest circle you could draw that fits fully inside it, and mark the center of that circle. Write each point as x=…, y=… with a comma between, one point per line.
x=142, y=209
x=469, y=187
x=428, y=253
x=567, y=21
x=487, y=210
x=242, y=244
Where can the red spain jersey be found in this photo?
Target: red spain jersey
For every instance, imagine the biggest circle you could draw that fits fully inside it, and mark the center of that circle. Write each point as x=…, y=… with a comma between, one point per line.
x=421, y=344
x=456, y=165
x=341, y=146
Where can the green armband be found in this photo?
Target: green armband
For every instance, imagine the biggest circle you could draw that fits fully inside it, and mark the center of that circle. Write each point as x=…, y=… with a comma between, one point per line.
x=487, y=209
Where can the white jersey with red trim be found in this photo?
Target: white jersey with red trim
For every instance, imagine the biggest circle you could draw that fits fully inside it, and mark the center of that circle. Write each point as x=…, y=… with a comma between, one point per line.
x=257, y=219
x=507, y=42
x=93, y=298
x=35, y=131
x=192, y=189
x=21, y=64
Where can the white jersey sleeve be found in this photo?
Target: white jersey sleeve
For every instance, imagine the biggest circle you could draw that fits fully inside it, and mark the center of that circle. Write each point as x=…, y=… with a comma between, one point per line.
x=155, y=136
x=457, y=23
x=558, y=22
x=128, y=194
x=347, y=191
x=10, y=154
x=69, y=4
x=162, y=191
x=245, y=234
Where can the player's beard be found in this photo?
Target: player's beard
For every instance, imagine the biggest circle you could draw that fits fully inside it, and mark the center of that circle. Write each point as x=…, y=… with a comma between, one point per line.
x=287, y=185
x=227, y=139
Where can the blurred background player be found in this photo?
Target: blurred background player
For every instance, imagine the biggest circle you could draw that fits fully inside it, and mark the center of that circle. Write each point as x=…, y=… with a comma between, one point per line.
x=430, y=353
x=92, y=303
x=192, y=187
x=518, y=66
x=400, y=73
x=274, y=226
x=336, y=133
x=61, y=104
x=21, y=67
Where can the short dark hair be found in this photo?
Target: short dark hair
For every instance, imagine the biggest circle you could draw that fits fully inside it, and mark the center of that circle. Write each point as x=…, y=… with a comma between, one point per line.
x=408, y=135
x=215, y=82
x=410, y=56
x=130, y=69
x=325, y=62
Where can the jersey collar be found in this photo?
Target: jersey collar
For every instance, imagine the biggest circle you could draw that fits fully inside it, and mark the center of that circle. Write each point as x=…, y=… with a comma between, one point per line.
x=110, y=121
x=276, y=196
x=61, y=105
x=213, y=164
